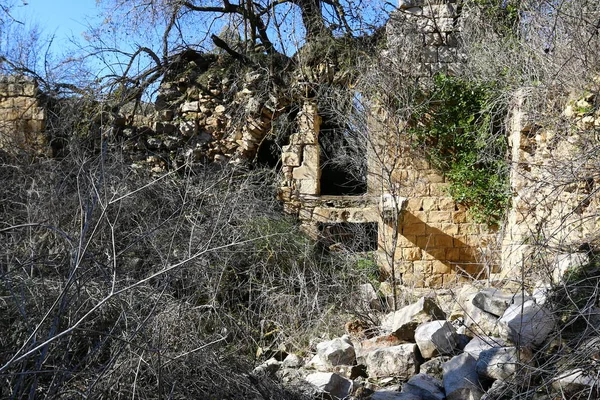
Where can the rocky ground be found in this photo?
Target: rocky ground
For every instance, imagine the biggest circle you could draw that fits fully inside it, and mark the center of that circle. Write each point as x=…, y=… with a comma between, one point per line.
x=486, y=343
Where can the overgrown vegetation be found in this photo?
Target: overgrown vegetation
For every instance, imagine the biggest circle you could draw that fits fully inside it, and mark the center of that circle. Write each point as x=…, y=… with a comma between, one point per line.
x=459, y=127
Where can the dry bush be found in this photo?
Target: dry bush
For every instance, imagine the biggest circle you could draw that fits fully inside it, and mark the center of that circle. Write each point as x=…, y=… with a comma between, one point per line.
x=116, y=282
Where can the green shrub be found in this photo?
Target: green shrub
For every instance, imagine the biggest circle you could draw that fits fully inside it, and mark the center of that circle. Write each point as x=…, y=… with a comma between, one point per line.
x=459, y=128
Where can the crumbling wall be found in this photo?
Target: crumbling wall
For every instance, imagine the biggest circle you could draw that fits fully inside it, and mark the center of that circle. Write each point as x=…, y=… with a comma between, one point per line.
x=554, y=180
x=22, y=117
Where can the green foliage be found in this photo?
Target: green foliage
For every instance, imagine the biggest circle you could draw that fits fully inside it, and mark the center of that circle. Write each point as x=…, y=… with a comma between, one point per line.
x=368, y=266
x=460, y=130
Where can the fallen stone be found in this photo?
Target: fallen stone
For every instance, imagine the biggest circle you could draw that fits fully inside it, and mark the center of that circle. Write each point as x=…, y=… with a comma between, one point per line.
x=402, y=323
x=502, y=362
x=425, y=386
x=366, y=297
x=578, y=381
x=433, y=367
x=567, y=261
x=378, y=342
x=461, y=381
x=495, y=301
x=482, y=343
x=396, y=361
x=292, y=361
x=436, y=338
x=269, y=367
x=526, y=324
x=338, y=351
x=330, y=383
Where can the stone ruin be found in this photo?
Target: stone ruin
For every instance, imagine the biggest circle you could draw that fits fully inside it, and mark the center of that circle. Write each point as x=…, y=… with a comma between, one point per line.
x=401, y=211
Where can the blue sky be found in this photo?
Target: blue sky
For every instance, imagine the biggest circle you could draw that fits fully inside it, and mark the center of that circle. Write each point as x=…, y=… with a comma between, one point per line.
x=62, y=18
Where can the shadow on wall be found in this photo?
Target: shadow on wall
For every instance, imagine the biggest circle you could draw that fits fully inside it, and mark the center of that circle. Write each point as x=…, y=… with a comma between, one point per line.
x=438, y=249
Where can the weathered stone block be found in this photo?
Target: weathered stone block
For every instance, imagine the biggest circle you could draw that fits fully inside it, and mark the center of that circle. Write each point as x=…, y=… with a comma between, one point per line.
x=396, y=361
x=436, y=338
x=402, y=323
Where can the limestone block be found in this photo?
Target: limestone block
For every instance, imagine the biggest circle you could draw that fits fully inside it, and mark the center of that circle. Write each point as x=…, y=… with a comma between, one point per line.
x=425, y=387
x=526, y=324
x=481, y=343
x=495, y=301
x=291, y=159
x=192, y=106
x=338, y=351
x=577, y=381
x=433, y=367
x=502, y=362
x=436, y=338
x=404, y=322
x=564, y=262
x=306, y=186
x=395, y=361
x=440, y=10
x=461, y=381
x=333, y=384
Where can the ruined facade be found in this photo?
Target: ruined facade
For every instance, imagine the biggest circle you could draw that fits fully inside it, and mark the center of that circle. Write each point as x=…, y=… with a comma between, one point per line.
x=22, y=115
x=401, y=211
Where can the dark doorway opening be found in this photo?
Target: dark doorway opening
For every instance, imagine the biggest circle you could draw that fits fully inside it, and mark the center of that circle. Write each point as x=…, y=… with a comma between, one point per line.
x=348, y=236
x=343, y=160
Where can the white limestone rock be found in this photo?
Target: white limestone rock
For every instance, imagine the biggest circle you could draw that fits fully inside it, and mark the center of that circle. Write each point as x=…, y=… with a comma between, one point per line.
x=396, y=361
x=502, y=362
x=404, y=322
x=482, y=343
x=436, y=338
x=330, y=383
x=495, y=301
x=461, y=381
x=527, y=324
x=338, y=351
x=425, y=386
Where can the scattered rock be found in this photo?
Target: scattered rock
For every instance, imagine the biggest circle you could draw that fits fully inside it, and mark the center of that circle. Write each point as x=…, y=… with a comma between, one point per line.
x=526, y=324
x=436, y=338
x=396, y=361
x=433, y=367
x=269, y=367
x=402, y=323
x=292, y=361
x=375, y=343
x=495, y=301
x=578, y=381
x=502, y=362
x=566, y=261
x=339, y=351
x=461, y=381
x=425, y=386
x=330, y=383
x=482, y=343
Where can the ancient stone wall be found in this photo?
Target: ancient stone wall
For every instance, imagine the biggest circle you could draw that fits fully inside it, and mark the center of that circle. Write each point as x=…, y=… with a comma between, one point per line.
x=555, y=181
x=22, y=117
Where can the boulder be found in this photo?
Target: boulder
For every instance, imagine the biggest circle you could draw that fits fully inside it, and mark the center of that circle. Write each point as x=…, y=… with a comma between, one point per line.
x=436, y=338
x=333, y=384
x=433, y=367
x=425, y=386
x=366, y=297
x=502, y=362
x=402, y=323
x=578, y=381
x=461, y=381
x=566, y=261
x=397, y=361
x=338, y=351
x=378, y=342
x=481, y=343
x=292, y=361
x=393, y=395
x=495, y=301
x=526, y=324
x=269, y=367
x=476, y=321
